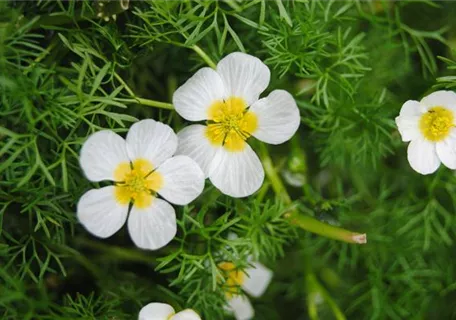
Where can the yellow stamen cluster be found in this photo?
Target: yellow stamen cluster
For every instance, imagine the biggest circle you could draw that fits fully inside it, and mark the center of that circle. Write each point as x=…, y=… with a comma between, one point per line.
x=231, y=124
x=136, y=183
x=435, y=124
x=234, y=277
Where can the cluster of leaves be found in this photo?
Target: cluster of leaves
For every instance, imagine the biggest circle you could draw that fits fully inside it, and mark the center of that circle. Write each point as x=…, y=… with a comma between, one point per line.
x=65, y=72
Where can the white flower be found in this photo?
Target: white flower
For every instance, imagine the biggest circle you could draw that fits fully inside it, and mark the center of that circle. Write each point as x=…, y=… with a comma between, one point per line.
x=141, y=166
x=162, y=311
x=429, y=125
x=228, y=99
x=253, y=280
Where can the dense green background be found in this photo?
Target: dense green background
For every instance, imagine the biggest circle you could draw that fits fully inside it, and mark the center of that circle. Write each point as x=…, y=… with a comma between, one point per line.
x=64, y=73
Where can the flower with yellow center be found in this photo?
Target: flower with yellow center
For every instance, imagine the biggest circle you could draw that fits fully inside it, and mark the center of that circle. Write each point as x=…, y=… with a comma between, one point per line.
x=429, y=125
x=228, y=100
x=142, y=168
x=254, y=280
x=163, y=311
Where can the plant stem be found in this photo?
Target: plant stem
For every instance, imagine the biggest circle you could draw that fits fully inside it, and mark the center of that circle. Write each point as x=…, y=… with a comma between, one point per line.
x=313, y=225
x=148, y=102
x=142, y=101
x=303, y=221
x=204, y=56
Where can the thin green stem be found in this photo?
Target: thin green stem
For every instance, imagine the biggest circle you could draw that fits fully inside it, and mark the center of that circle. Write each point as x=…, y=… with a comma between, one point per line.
x=148, y=102
x=125, y=85
x=303, y=221
x=142, y=101
x=204, y=56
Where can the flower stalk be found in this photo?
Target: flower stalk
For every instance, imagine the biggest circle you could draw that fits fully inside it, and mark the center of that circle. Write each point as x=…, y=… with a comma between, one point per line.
x=297, y=218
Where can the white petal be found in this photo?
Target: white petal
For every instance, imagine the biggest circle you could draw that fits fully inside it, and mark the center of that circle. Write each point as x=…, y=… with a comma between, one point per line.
x=412, y=108
x=422, y=156
x=151, y=140
x=102, y=152
x=278, y=117
x=446, y=150
x=100, y=213
x=187, y=314
x=409, y=127
x=257, y=279
x=440, y=99
x=183, y=180
x=194, y=97
x=156, y=311
x=244, y=76
x=193, y=143
x=152, y=227
x=241, y=307
x=237, y=174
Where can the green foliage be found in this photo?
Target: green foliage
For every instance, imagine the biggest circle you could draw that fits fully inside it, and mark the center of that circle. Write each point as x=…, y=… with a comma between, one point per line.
x=65, y=73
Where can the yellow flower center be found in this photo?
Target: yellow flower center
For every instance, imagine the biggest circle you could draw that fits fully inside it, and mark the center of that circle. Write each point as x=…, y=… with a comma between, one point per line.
x=435, y=124
x=231, y=124
x=234, y=277
x=136, y=183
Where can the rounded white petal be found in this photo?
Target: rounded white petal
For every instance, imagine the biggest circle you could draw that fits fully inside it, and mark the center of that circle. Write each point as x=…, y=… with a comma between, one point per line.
x=257, y=279
x=152, y=227
x=193, y=143
x=244, y=76
x=194, y=97
x=278, y=117
x=412, y=108
x=440, y=99
x=241, y=307
x=151, y=140
x=183, y=180
x=102, y=152
x=187, y=314
x=100, y=213
x=422, y=156
x=446, y=150
x=237, y=174
x=156, y=311
x=409, y=127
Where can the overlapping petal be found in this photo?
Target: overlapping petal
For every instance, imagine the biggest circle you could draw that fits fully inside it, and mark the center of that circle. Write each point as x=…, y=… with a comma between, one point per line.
x=193, y=99
x=237, y=174
x=156, y=311
x=278, y=117
x=100, y=213
x=151, y=140
x=101, y=154
x=257, y=279
x=440, y=98
x=154, y=226
x=193, y=143
x=187, y=314
x=241, y=307
x=409, y=127
x=446, y=150
x=183, y=180
x=244, y=76
x=422, y=156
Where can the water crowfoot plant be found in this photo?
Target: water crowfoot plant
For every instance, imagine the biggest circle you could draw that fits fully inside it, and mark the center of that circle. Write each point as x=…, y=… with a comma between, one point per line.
x=228, y=99
x=142, y=167
x=430, y=126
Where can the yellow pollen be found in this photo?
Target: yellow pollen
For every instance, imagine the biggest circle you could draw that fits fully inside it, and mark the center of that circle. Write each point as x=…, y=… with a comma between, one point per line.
x=136, y=184
x=234, y=277
x=231, y=124
x=435, y=124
